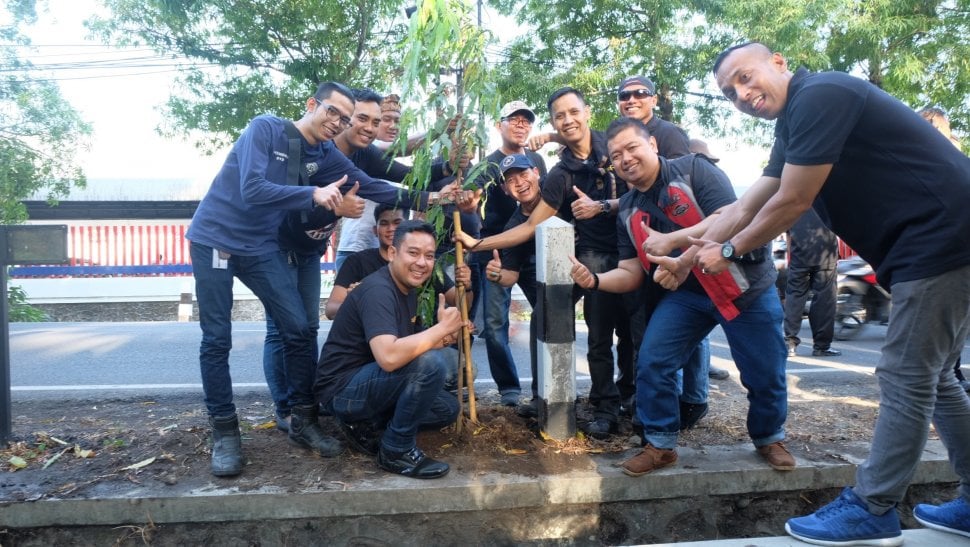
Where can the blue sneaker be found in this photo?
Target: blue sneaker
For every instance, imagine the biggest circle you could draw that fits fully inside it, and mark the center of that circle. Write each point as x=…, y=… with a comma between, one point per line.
x=846, y=522
x=953, y=516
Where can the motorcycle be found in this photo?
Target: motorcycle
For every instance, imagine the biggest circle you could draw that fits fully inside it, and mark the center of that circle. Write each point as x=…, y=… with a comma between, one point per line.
x=860, y=299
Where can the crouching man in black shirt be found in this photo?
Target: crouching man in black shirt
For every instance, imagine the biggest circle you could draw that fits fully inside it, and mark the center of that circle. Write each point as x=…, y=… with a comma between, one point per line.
x=378, y=372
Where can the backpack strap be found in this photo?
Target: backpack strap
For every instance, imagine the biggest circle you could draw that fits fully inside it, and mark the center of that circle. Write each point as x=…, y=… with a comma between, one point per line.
x=295, y=175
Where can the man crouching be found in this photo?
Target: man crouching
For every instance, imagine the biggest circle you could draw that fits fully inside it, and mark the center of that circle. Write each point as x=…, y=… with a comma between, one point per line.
x=379, y=374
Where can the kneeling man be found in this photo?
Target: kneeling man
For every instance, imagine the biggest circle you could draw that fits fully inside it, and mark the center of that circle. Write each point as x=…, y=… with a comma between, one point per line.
x=378, y=372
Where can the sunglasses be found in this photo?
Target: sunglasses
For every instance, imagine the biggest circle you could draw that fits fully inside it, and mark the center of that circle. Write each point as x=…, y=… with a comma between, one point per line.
x=642, y=93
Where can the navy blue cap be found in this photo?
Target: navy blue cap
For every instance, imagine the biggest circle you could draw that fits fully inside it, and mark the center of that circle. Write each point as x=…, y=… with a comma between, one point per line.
x=516, y=161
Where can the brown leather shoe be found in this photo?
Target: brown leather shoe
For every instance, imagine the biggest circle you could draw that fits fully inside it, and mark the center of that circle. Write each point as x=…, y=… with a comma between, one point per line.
x=777, y=456
x=649, y=459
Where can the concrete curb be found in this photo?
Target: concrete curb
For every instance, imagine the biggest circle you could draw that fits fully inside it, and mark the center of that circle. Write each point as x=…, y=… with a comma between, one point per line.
x=713, y=471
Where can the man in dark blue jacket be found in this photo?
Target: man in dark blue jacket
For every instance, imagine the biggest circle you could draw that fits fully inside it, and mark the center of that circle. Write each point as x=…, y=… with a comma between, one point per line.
x=234, y=234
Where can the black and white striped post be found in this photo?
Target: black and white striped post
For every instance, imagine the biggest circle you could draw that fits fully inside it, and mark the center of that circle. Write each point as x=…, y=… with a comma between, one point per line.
x=556, y=328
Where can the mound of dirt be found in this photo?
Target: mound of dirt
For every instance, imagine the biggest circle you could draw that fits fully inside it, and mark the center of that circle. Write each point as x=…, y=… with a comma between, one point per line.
x=87, y=448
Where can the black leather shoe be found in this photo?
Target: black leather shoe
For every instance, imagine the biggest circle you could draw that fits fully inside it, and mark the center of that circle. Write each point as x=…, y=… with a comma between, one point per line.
x=690, y=414
x=601, y=428
x=305, y=431
x=827, y=352
x=413, y=463
x=362, y=436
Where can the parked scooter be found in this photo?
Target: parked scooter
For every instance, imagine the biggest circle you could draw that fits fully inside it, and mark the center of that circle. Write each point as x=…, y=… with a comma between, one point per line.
x=860, y=298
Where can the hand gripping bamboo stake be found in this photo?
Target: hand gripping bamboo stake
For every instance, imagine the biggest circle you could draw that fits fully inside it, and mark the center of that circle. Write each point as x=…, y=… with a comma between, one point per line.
x=466, y=338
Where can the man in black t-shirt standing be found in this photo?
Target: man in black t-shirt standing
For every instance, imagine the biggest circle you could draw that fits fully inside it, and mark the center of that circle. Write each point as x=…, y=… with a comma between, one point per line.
x=894, y=189
x=514, y=127
x=581, y=189
x=378, y=370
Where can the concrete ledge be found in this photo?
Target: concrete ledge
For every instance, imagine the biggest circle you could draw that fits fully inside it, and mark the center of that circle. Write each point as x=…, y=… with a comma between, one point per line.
x=713, y=471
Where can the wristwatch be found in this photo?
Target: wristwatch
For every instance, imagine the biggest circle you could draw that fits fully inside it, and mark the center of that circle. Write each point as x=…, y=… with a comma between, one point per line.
x=605, y=206
x=727, y=251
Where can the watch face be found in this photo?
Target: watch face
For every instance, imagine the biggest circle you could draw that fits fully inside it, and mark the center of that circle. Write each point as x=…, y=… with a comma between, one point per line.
x=727, y=250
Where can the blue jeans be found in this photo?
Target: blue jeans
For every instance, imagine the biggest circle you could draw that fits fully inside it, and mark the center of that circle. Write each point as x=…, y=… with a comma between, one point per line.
x=266, y=275
x=681, y=320
x=496, y=301
x=304, y=269
x=928, y=325
x=407, y=399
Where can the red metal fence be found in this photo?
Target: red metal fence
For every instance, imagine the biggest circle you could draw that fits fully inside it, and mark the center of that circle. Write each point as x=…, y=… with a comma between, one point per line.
x=128, y=249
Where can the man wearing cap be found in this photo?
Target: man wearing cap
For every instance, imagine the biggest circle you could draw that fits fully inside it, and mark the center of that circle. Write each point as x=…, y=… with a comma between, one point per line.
x=517, y=265
x=514, y=126
x=636, y=97
x=581, y=188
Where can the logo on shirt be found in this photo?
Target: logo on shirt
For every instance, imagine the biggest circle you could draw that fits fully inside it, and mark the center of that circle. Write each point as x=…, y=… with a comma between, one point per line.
x=311, y=168
x=280, y=156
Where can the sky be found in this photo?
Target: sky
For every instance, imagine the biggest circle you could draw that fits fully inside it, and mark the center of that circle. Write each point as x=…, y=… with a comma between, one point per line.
x=123, y=105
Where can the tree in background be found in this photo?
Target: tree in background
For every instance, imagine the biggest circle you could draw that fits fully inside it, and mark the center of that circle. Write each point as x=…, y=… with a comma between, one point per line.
x=251, y=56
x=918, y=51
x=40, y=133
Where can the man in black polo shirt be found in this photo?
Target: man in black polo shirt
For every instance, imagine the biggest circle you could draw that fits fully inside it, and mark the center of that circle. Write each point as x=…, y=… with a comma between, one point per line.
x=894, y=189
x=581, y=188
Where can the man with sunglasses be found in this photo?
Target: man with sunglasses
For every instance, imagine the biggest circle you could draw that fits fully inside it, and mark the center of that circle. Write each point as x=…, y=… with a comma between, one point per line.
x=234, y=234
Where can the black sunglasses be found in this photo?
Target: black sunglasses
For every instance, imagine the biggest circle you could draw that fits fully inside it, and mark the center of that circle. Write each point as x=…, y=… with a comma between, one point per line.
x=642, y=93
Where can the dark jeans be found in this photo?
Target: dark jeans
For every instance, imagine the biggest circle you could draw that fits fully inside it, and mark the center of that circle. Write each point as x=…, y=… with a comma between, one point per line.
x=266, y=275
x=821, y=316
x=605, y=314
x=304, y=268
x=409, y=398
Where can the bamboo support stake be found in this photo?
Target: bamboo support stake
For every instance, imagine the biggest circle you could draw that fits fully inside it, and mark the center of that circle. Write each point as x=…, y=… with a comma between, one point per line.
x=466, y=338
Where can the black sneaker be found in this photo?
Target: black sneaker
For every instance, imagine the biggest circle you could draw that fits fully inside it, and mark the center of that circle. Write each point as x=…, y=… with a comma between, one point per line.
x=690, y=414
x=601, y=428
x=363, y=436
x=413, y=463
x=827, y=352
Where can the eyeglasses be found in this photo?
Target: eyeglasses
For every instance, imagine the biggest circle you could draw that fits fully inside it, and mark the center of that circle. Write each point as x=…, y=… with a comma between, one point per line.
x=641, y=93
x=517, y=120
x=334, y=115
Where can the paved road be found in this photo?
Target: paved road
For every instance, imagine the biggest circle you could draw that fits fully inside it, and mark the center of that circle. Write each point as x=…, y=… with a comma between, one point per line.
x=83, y=360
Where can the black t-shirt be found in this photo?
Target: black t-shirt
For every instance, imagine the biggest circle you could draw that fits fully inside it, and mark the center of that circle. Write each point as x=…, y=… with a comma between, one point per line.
x=597, y=181
x=898, y=193
x=376, y=307
x=522, y=259
x=672, y=141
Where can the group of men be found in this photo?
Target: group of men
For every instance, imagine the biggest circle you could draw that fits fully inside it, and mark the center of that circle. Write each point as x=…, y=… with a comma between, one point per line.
x=664, y=230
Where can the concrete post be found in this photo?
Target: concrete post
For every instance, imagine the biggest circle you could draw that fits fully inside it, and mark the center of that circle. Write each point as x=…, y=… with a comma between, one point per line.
x=185, y=307
x=556, y=335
